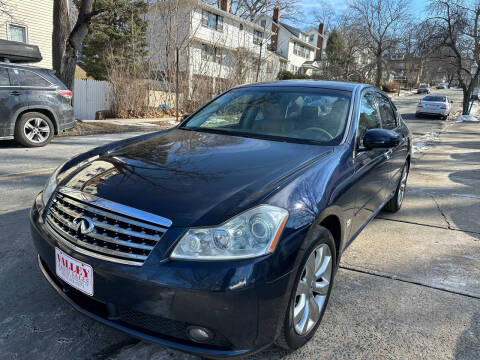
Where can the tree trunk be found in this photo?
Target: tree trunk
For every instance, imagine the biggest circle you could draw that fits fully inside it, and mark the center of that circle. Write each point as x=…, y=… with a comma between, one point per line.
x=61, y=32
x=379, y=77
x=66, y=41
x=420, y=72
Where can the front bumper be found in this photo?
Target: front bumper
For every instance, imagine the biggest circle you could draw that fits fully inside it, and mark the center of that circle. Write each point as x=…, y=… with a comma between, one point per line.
x=158, y=302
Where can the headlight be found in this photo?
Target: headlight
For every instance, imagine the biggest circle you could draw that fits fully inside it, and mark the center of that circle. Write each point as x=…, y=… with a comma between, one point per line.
x=51, y=185
x=250, y=234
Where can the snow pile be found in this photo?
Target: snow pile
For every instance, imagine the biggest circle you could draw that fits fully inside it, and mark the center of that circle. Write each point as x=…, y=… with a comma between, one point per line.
x=467, y=118
x=421, y=143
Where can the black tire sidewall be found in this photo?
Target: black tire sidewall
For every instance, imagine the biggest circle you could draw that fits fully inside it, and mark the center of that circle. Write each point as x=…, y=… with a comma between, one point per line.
x=20, y=134
x=293, y=340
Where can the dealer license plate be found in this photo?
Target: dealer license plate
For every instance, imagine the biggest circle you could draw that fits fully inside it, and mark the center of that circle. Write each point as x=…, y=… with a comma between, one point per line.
x=74, y=272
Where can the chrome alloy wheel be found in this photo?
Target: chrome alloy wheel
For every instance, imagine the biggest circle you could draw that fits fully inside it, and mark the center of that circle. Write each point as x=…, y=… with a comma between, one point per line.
x=312, y=290
x=36, y=130
x=403, y=185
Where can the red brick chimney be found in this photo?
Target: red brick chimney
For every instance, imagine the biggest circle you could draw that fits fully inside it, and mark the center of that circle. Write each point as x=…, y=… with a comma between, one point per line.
x=321, y=31
x=275, y=22
x=225, y=5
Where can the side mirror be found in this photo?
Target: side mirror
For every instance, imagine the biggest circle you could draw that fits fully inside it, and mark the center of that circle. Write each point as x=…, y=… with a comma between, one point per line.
x=381, y=138
x=185, y=117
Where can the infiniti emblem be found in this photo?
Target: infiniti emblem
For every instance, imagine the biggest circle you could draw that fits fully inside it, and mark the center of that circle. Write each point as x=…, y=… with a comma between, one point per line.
x=83, y=225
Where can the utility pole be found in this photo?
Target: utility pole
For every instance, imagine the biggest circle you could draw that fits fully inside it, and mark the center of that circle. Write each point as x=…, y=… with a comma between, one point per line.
x=260, y=53
x=176, y=85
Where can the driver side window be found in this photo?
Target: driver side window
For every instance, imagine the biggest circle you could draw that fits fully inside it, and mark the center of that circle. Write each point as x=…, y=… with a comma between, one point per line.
x=369, y=116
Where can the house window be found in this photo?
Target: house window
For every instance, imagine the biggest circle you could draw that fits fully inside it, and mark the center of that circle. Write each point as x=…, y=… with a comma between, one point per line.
x=17, y=33
x=210, y=53
x=212, y=21
x=263, y=23
x=311, y=38
x=301, y=50
x=257, y=37
x=241, y=26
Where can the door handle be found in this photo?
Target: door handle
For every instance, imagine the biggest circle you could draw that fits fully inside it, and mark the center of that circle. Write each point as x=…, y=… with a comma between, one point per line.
x=388, y=154
x=15, y=93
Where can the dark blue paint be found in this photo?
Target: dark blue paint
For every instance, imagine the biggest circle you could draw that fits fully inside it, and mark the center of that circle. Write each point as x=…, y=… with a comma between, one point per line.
x=198, y=179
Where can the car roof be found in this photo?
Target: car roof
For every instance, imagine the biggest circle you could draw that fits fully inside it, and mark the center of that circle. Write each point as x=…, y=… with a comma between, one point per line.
x=323, y=84
x=23, y=66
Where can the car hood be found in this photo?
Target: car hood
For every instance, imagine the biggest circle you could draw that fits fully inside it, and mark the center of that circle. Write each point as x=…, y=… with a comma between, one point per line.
x=193, y=178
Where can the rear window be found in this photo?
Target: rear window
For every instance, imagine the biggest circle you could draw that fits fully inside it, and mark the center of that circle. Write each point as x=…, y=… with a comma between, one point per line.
x=4, y=78
x=29, y=78
x=435, y=98
x=423, y=85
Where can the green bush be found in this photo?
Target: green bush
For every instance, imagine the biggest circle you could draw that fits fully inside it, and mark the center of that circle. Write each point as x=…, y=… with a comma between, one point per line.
x=287, y=75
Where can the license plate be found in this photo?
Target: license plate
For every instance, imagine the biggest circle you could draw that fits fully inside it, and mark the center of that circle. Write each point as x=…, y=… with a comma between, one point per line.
x=75, y=273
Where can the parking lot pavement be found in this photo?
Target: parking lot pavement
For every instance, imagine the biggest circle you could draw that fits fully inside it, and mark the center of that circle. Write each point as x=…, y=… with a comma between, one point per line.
x=408, y=287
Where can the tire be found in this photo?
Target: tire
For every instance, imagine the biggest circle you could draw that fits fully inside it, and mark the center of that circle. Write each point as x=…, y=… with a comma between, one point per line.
x=291, y=337
x=395, y=203
x=34, y=129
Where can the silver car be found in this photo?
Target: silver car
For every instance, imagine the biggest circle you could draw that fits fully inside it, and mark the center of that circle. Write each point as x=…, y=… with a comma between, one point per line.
x=434, y=105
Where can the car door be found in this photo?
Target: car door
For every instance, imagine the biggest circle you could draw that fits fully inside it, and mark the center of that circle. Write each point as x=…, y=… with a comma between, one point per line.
x=371, y=168
x=10, y=102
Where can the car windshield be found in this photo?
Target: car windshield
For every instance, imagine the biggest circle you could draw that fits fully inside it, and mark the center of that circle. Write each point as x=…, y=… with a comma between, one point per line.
x=289, y=113
x=423, y=85
x=436, y=98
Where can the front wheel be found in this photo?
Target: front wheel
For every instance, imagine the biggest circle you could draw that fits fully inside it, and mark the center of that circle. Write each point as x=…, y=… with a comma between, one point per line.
x=310, y=293
x=396, y=201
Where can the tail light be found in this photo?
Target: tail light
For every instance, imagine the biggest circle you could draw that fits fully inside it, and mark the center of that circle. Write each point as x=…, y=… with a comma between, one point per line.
x=420, y=104
x=67, y=94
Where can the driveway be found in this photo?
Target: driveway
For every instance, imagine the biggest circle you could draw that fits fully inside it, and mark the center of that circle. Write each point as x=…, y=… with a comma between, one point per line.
x=408, y=287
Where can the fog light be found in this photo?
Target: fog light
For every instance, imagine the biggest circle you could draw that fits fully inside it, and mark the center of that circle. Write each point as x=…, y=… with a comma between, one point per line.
x=199, y=334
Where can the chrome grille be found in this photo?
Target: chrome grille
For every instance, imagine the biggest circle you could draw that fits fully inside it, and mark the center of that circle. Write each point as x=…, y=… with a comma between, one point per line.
x=119, y=233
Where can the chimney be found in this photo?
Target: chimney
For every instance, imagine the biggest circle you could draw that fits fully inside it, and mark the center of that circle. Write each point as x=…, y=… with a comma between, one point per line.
x=276, y=15
x=321, y=31
x=225, y=5
x=275, y=22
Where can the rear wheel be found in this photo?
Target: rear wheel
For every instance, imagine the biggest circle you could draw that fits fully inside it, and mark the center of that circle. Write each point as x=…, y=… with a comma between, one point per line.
x=310, y=293
x=34, y=129
x=396, y=201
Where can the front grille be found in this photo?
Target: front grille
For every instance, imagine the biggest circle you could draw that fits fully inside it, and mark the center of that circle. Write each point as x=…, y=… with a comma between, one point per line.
x=115, y=236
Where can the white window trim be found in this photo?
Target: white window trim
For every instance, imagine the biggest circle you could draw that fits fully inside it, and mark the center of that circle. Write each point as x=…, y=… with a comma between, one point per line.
x=19, y=25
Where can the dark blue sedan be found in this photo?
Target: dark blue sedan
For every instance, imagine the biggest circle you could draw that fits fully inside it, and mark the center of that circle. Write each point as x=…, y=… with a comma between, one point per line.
x=222, y=236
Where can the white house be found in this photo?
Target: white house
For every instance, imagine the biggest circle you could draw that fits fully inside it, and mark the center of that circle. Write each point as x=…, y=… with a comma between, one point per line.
x=30, y=22
x=301, y=50
x=212, y=42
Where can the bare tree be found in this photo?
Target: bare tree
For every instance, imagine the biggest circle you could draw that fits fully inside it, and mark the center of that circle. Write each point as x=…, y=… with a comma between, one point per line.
x=251, y=9
x=325, y=14
x=66, y=41
x=381, y=23
x=457, y=23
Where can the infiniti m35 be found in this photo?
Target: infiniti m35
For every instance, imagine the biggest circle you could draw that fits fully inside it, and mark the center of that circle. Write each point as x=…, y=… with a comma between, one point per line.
x=222, y=235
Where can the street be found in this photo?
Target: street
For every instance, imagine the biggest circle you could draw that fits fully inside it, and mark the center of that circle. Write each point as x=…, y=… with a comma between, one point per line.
x=408, y=286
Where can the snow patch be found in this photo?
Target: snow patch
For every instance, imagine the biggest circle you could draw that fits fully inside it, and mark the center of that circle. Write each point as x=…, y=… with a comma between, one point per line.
x=422, y=143
x=466, y=118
